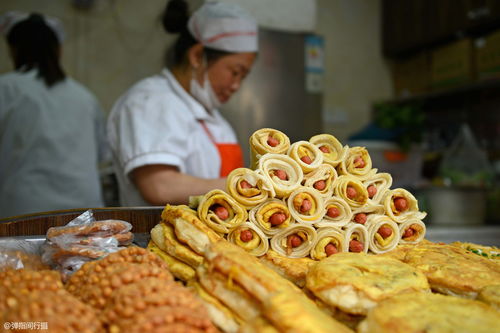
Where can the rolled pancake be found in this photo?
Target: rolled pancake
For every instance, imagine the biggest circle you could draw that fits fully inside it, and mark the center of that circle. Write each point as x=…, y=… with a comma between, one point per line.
x=322, y=179
x=292, y=269
x=216, y=199
x=356, y=282
x=332, y=149
x=248, y=187
x=282, y=303
x=271, y=165
x=306, y=205
x=351, y=190
x=257, y=245
x=383, y=234
x=341, y=213
x=259, y=144
x=426, y=312
x=381, y=183
x=358, y=233
x=178, y=269
x=220, y=315
x=326, y=236
x=189, y=229
x=413, y=236
x=411, y=209
x=163, y=236
x=307, y=155
x=356, y=162
x=453, y=271
x=283, y=242
x=263, y=214
x=369, y=210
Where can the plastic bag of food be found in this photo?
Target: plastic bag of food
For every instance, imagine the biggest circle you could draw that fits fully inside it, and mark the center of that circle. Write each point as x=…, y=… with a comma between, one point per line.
x=18, y=254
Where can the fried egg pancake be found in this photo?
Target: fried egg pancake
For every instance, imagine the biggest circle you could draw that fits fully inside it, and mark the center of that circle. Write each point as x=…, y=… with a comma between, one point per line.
x=452, y=270
x=427, y=312
x=293, y=269
x=490, y=295
x=356, y=282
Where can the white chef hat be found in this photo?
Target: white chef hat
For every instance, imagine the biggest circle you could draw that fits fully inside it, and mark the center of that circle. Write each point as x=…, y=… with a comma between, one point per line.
x=224, y=26
x=9, y=19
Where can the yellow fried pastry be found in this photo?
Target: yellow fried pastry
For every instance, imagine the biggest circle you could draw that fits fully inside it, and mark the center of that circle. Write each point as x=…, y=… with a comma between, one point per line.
x=178, y=269
x=427, y=312
x=356, y=282
x=490, y=295
x=293, y=269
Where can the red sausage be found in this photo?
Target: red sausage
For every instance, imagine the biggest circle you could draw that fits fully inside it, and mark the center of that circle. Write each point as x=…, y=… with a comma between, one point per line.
x=372, y=190
x=355, y=246
x=401, y=204
x=320, y=185
x=220, y=211
x=306, y=206
x=330, y=249
x=351, y=192
x=246, y=236
x=306, y=159
x=333, y=212
x=360, y=218
x=294, y=240
x=281, y=174
x=359, y=162
x=272, y=141
x=245, y=184
x=324, y=149
x=384, y=232
x=277, y=218
x=408, y=233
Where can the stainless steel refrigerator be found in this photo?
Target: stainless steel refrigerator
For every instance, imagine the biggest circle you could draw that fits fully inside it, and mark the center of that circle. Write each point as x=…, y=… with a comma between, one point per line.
x=274, y=94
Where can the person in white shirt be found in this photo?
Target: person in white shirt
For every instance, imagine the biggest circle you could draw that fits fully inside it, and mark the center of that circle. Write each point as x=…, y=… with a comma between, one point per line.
x=168, y=139
x=52, y=129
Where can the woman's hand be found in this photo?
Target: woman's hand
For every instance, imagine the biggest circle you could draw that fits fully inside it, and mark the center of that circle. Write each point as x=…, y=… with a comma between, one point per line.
x=161, y=184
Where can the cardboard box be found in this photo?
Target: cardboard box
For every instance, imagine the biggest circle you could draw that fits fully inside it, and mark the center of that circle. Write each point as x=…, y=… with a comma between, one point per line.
x=452, y=64
x=487, y=56
x=411, y=76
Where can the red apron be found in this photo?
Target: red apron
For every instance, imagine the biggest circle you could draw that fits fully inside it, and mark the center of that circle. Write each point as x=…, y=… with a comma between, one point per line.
x=231, y=155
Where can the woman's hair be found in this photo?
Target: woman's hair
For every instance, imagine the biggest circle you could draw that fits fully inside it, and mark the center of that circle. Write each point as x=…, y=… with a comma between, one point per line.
x=174, y=19
x=35, y=45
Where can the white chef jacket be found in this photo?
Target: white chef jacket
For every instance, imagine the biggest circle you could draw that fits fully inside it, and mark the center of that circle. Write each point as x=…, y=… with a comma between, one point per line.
x=158, y=122
x=49, y=145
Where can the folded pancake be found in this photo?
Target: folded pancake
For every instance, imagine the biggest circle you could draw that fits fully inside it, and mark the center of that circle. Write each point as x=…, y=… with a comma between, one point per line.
x=281, y=302
x=400, y=205
x=351, y=190
x=225, y=319
x=453, y=271
x=189, y=229
x=337, y=213
x=364, y=214
x=356, y=282
x=271, y=216
x=383, y=234
x=332, y=149
x=356, y=162
x=178, y=268
x=412, y=231
x=329, y=241
x=163, y=236
x=292, y=269
x=259, y=325
x=248, y=187
x=267, y=140
x=307, y=155
x=284, y=174
x=322, y=179
x=221, y=212
x=232, y=295
x=490, y=252
x=490, y=295
x=377, y=185
x=426, y=312
x=295, y=241
x=355, y=238
x=306, y=205
x=249, y=237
